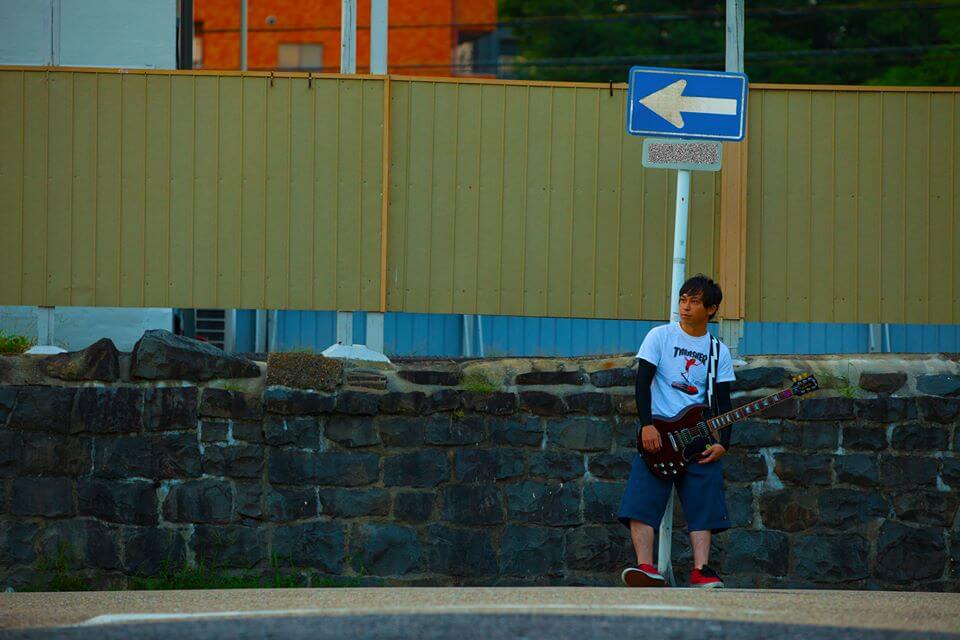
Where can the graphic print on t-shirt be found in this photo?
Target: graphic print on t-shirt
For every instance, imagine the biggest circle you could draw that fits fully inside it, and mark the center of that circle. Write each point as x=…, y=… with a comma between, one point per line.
x=686, y=385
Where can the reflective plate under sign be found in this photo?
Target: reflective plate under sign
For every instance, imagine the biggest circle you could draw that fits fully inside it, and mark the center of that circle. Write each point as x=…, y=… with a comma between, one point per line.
x=692, y=155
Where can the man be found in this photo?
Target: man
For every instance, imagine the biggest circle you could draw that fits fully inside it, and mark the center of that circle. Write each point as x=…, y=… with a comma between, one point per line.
x=672, y=374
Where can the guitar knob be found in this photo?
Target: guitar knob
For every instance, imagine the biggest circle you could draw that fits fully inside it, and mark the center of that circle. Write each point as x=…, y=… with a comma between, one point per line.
x=671, y=464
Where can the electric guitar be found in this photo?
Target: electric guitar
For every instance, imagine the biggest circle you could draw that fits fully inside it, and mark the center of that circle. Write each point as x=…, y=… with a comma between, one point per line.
x=684, y=437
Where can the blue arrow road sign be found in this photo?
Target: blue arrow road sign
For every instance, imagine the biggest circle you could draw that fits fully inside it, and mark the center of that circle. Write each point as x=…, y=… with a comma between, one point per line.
x=684, y=103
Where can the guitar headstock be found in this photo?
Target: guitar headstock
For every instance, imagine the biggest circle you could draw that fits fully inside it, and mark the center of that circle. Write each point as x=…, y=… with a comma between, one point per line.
x=804, y=383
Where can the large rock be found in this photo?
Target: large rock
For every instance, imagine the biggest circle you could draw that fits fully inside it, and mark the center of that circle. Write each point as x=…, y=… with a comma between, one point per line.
x=167, y=456
x=542, y=403
x=739, y=466
x=230, y=547
x=49, y=454
x=601, y=501
x=355, y=503
x=556, y=465
x=293, y=402
x=423, y=468
x=207, y=500
x=612, y=466
x=551, y=378
x=412, y=403
x=487, y=465
x=908, y=553
x=99, y=361
x=358, y=403
x=170, y=409
x=864, y=437
x=43, y=409
x=914, y=436
x=149, y=550
x=551, y=504
x=332, y=468
x=516, y=432
x=448, y=552
x=882, y=382
x=758, y=378
x=939, y=385
x=221, y=403
x=755, y=434
x=857, y=468
x=17, y=538
x=844, y=508
x=384, y=550
x=118, y=410
x=286, y=504
x=595, y=548
x=804, y=469
x=886, y=409
x=498, y=403
x=320, y=545
x=234, y=461
x=580, y=434
x=299, y=431
x=402, y=431
x=47, y=497
x=304, y=370
x=351, y=432
x=788, y=510
x=432, y=377
x=413, y=506
x=764, y=552
x=526, y=551
x=811, y=435
x=161, y=355
x=936, y=508
x=127, y=502
x=944, y=410
x=837, y=408
x=472, y=505
x=740, y=506
x=908, y=471
x=81, y=543
x=624, y=377
x=443, y=430
x=831, y=558
x=591, y=403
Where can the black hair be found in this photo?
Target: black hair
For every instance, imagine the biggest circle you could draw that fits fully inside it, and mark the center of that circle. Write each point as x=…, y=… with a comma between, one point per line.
x=707, y=288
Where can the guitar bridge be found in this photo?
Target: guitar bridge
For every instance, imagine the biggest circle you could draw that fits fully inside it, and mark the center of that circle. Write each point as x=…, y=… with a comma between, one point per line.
x=673, y=442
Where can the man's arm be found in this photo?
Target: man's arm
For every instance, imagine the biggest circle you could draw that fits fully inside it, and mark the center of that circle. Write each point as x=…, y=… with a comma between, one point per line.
x=724, y=405
x=646, y=438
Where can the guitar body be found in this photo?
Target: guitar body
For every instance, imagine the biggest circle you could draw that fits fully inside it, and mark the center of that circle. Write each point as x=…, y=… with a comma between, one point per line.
x=682, y=439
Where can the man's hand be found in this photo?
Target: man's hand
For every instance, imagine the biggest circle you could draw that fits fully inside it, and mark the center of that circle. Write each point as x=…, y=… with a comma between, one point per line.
x=650, y=438
x=712, y=453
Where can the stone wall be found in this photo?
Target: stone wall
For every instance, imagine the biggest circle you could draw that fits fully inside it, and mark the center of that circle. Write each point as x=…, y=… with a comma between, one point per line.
x=415, y=480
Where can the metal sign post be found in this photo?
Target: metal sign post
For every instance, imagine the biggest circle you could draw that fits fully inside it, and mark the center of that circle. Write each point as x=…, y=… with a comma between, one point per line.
x=700, y=108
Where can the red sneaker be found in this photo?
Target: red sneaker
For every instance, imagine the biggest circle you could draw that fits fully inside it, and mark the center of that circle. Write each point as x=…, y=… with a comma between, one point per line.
x=645, y=575
x=705, y=578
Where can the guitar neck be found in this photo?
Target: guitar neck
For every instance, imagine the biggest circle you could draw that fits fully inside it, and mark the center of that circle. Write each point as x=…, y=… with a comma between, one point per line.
x=725, y=420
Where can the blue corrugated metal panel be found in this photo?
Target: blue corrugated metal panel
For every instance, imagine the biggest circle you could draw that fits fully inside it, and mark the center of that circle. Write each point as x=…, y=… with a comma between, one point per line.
x=514, y=335
x=243, y=330
x=914, y=338
x=423, y=334
x=803, y=338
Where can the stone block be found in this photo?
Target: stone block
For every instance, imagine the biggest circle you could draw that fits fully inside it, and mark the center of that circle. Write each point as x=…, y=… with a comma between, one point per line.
x=401, y=431
x=161, y=355
x=907, y=553
x=99, y=361
x=497, y=403
x=17, y=539
x=612, y=466
x=590, y=403
x=285, y=504
x=354, y=503
x=601, y=501
x=442, y=430
x=596, y=548
x=950, y=472
x=942, y=410
x=740, y=506
x=788, y=510
x=214, y=431
x=939, y=385
x=487, y=465
x=446, y=552
x=831, y=558
x=234, y=461
x=739, y=466
x=43, y=409
x=544, y=378
x=914, y=436
x=148, y=551
x=385, y=550
x=358, y=403
x=538, y=503
x=624, y=405
x=299, y=431
x=101, y=410
x=221, y=403
x=937, y=508
x=251, y=432
x=556, y=465
x=50, y=454
x=443, y=400
x=811, y=436
x=836, y=408
x=9, y=452
x=351, y=432
x=82, y=543
x=320, y=545
x=47, y=497
x=516, y=432
x=230, y=547
x=622, y=377
x=412, y=403
x=803, y=469
x=423, y=468
x=882, y=382
x=857, y=468
x=432, y=377
x=845, y=508
x=413, y=506
x=123, y=501
x=249, y=500
x=908, y=471
x=126, y=457
x=170, y=409
x=752, y=378
x=580, y=434
x=206, y=500
x=867, y=437
x=304, y=370
x=764, y=552
x=334, y=468
x=542, y=403
x=177, y=455
x=8, y=398
x=531, y=551
x=753, y=434
x=886, y=409
x=625, y=432
x=472, y=505
x=295, y=402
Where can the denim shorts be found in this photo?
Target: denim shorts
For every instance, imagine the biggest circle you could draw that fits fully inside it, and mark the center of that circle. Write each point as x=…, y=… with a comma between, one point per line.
x=700, y=490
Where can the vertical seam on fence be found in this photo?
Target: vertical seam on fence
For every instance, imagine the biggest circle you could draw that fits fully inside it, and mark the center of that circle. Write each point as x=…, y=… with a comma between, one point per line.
x=385, y=195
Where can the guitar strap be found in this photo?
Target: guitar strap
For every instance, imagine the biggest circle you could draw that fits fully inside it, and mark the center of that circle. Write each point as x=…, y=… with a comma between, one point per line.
x=712, y=365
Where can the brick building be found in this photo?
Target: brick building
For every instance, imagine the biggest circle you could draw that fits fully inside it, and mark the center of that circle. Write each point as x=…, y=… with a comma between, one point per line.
x=427, y=37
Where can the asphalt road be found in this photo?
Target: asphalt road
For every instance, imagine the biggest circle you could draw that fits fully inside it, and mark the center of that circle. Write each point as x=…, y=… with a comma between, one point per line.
x=489, y=613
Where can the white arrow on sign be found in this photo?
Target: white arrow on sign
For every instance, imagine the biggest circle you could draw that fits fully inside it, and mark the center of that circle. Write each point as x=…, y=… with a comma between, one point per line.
x=670, y=101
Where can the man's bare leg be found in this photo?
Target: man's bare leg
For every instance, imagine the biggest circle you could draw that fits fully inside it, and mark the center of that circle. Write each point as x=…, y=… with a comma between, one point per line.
x=642, y=535
x=700, y=543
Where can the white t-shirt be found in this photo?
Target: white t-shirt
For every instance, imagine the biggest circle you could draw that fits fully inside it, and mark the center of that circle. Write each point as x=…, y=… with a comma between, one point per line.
x=681, y=361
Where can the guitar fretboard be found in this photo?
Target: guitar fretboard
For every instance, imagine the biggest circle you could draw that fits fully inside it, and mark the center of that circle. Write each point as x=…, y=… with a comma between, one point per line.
x=727, y=419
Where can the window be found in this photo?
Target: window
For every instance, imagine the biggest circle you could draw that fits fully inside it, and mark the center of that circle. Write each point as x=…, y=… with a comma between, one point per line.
x=300, y=55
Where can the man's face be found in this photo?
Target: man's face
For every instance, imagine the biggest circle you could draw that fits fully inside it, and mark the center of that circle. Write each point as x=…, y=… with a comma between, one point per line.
x=692, y=310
